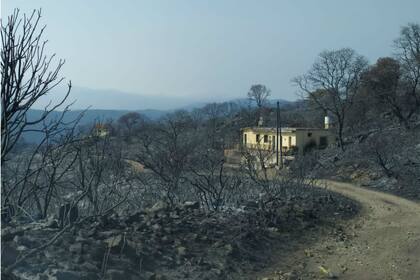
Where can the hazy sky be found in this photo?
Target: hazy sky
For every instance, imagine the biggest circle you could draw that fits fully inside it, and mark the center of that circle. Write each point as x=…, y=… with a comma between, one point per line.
x=210, y=50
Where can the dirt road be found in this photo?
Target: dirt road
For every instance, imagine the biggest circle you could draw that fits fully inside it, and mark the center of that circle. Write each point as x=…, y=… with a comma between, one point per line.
x=383, y=242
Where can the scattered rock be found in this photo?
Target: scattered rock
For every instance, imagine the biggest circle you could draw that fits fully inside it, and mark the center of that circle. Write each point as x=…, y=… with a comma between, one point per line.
x=181, y=251
x=290, y=276
x=308, y=253
x=51, y=223
x=327, y=273
x=163, y=242
x=157, y=207
x=191, y=205
x=114, y=241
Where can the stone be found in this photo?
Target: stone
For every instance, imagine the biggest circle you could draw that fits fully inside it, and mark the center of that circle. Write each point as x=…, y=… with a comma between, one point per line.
x=49, y=253
x=114, y=241
x=290, y=276
x=156, y=227
x=327, y=273
x=174, y=215
x=308, y=253
x=21, y=248
x=119, y=244
x=157, y=207
x=51, y=223
x=181, y=251
x=191, y=205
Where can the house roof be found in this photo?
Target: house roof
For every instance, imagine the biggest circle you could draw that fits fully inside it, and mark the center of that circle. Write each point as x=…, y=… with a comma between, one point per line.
x=283, y=129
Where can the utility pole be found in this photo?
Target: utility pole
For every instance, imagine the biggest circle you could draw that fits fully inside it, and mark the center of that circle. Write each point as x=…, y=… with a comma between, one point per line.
x=277, y=135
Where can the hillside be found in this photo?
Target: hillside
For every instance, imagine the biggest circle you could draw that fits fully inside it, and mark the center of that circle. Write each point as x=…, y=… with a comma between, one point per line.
x=92, y=115
x=89, y=116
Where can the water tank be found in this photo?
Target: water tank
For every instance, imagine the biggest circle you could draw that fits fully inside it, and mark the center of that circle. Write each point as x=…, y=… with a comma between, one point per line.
x=260, y=122
x=327, y=122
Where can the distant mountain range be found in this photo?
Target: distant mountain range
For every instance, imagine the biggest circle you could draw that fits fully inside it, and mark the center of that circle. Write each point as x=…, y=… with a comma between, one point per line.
x=103, y=115
x=98, y=99
x=82, y=98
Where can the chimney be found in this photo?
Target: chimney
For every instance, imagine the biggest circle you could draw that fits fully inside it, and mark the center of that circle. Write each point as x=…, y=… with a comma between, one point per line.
x=327, y=122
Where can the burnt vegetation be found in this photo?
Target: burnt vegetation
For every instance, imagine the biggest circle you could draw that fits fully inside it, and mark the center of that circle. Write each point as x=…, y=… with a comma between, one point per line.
x=154, y=199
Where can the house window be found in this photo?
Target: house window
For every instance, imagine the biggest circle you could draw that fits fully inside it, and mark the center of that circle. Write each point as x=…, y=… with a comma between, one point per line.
x=290, y=141
x=323, y=141
x=245, y=140
x=265, y=138
x=258, y=138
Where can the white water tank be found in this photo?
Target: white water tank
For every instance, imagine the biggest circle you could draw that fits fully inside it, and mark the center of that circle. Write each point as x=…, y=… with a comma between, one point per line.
x=327, y=122
x=260, y=122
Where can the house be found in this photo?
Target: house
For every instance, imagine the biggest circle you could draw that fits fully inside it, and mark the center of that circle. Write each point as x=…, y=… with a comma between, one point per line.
x=100, y=130
x=260, y=143
x=293, y=140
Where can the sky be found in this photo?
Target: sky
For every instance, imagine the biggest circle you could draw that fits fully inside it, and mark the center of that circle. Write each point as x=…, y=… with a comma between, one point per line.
x=210, y=50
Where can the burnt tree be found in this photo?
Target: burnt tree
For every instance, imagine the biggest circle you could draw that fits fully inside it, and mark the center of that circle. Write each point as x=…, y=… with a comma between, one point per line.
x=332, y=83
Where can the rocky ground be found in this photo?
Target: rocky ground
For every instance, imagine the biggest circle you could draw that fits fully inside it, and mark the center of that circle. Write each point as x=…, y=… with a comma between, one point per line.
x=182, y=242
